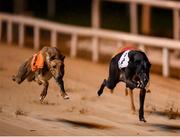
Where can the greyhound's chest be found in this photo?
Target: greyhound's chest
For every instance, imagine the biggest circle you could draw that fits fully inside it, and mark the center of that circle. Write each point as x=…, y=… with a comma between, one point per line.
x=123, y=60
x=43, y=77
x=47, y=75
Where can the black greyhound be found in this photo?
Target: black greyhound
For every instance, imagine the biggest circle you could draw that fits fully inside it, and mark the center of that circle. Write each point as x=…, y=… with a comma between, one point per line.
x=133, y=68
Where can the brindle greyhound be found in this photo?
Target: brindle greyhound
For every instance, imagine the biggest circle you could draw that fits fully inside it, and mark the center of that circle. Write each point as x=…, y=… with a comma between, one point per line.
x=52, y=66
x=131, y=67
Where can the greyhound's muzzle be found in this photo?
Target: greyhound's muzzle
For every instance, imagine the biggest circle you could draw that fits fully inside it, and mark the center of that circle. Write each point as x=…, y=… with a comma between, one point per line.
x=143, y=82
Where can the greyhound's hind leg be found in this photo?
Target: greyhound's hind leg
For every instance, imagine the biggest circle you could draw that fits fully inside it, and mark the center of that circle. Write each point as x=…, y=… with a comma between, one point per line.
x=113, y=78
x=23, y=72
x=100, y=91
x=31, y=77
x=107, y=83
x=133, y=109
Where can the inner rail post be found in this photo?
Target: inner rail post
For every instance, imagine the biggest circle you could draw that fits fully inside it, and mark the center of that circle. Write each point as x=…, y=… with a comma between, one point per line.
x=133, y=18
x=53, y=38
x=95, y=49
x=73, y=45
x=36, y=37
x=0, y=29
x=21, y=35
x=165, y=64
x=9, y=31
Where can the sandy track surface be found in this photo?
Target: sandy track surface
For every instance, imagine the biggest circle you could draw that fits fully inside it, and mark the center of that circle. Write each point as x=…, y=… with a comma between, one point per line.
x=84, y=113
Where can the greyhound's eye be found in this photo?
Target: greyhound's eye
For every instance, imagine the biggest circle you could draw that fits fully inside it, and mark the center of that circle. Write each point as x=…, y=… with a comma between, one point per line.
x=52, y=58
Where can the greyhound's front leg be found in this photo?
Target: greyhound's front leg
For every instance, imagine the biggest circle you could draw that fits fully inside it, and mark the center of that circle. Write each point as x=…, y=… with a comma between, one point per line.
x=141, y=109
x=60, y=82
x=44, y=92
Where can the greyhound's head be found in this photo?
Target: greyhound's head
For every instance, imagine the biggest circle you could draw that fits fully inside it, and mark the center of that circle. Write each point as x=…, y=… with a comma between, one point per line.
x=56, y=66
x=141, y=66
x=142, y=73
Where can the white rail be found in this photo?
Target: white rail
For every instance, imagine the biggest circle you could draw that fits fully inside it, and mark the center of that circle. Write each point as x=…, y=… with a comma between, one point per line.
x=169, y=4
x=55, y=28
x=157, y=3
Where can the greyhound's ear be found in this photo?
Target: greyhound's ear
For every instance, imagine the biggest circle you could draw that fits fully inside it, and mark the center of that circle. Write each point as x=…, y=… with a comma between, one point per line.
x=149, y=65
x=131, y=59
x=62, y=57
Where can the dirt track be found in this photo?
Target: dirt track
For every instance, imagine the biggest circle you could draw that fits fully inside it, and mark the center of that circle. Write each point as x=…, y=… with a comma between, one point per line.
x=84, y=113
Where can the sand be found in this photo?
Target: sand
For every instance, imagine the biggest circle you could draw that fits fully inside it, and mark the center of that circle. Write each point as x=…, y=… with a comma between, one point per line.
x=85, y=113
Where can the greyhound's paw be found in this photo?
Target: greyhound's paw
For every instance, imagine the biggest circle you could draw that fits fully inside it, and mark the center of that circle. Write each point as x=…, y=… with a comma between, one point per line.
x=126, y=91
x=41, y=99
x=112, y=91
x=14, y=78
x=142, y=119
x=65, y=97
x=39, y=82
x=99, y=93
x=133, y=110
x=148, y=91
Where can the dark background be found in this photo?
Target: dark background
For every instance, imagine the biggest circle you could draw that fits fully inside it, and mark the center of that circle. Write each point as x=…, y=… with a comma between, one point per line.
x=114, y=16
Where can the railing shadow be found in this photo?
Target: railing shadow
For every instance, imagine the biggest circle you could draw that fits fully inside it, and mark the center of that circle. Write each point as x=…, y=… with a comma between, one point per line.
x=83, y=124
